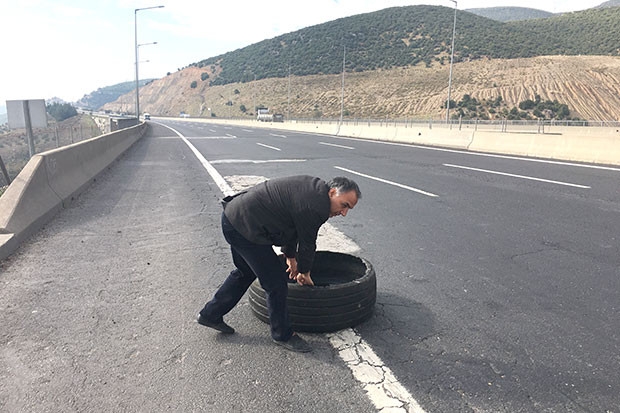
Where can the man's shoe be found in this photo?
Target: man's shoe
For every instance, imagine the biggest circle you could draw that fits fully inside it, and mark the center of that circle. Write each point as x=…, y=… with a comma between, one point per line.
x=295, y=343
x=222, y=327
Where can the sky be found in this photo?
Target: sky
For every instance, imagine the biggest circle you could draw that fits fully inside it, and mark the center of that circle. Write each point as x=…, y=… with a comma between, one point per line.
x=68, y=48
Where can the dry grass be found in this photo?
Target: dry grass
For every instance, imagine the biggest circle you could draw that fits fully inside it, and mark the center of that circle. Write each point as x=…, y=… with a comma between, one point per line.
x=14, y=146
x=589, y=85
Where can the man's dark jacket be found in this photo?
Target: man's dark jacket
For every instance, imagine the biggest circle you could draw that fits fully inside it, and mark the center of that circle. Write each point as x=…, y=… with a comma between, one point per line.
x=285, y=212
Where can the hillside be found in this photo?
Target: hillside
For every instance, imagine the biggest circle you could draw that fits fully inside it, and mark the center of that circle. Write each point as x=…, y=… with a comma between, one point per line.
x=96, y=99
x=506, y=14
x=610, y=3
x=589, y=85
x=397, y=63
x=414, y=35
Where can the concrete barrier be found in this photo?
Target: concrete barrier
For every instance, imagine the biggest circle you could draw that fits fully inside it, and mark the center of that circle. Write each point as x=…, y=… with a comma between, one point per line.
x=597, y=144
x=593, y=145
x=52, y=179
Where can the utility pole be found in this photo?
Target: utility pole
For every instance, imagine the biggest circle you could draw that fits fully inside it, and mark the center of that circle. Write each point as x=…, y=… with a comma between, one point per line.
x=344, y=54
x=451, y=63
x=288, y=105
x=136, y=45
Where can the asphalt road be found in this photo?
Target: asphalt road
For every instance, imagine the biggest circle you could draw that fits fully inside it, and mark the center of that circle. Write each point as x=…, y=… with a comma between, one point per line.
x=498, y=284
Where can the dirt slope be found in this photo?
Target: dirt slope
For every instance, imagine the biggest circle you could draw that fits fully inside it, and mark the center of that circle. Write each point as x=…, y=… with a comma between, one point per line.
x=589, y=85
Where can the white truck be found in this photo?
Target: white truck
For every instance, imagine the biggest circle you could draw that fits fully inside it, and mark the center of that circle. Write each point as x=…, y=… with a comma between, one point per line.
x=263, y=115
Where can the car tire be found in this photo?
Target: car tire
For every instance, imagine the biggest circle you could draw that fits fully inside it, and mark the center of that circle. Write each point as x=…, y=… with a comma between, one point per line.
x=343, y=296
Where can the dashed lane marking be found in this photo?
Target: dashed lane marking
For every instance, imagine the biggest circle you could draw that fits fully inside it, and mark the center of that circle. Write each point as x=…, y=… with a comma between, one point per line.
x=228, y=161
x=531, y=178
x=385, y=181
x=267, y=146
x=337, y=146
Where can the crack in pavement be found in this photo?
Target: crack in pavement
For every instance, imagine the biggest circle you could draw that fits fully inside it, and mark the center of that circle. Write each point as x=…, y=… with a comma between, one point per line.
x=380, y=384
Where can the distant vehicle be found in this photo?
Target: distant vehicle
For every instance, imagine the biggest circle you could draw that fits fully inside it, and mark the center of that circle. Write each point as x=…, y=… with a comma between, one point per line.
x=184, y=115
x=278, y=117
x=264, y=115
x=147, y=116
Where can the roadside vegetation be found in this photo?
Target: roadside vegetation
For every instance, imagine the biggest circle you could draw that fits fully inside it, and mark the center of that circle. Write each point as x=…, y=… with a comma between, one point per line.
x=487, y=109
x=415, y=35
x=14, y=146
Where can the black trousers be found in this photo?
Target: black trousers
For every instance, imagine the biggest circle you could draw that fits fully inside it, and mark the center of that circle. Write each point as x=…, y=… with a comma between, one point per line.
x=252, y=261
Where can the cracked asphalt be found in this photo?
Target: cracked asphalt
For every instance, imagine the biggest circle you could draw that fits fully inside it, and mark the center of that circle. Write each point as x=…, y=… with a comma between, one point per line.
x=97, y=310
x=499, y=295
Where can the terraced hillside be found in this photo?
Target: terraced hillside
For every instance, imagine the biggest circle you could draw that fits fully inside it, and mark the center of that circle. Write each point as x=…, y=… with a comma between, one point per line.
x=589, y=85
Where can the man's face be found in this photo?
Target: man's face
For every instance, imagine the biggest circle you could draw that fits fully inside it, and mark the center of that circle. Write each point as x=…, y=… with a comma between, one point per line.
x=341, y=203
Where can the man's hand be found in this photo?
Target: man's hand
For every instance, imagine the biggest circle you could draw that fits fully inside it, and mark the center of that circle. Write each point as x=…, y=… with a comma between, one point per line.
x=292, y=268
x=304, y=279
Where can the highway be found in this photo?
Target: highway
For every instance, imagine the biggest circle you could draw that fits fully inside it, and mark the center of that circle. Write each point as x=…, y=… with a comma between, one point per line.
x=498, y=281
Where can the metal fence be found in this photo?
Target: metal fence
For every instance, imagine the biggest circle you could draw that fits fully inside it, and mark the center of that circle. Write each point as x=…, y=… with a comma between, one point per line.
x=497, y=124
x=14, y=151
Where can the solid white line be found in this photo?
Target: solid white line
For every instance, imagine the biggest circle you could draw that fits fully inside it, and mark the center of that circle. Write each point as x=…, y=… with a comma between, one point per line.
x=220, y=182
x=518, y=176
x=381, y=385
x=228, y=161
x=337, y=146
x=270, y=147
x=385, y=181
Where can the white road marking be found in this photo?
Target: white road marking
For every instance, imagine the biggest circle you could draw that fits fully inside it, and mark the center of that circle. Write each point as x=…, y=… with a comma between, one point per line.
x=279, y=136
x=212, y=130
x=228, y=161
x=247, y=130
x=211, y=137
x=270, y=147
x=337, y=146
x=385, y=181
x=232, y=136
x=531, y=178
x=219, y=181
x=487, y=155
x=381, y=385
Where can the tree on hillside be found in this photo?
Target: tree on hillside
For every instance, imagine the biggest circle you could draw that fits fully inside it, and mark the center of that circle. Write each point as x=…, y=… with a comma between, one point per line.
x=61, y=111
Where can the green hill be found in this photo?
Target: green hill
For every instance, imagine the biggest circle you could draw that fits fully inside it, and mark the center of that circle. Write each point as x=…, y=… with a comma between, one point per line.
x=414, y=35
x=506, y=14
x=610, y=3
x=101, y=96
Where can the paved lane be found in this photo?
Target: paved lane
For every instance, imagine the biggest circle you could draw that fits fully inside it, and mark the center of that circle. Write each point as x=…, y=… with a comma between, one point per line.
x=500, y=294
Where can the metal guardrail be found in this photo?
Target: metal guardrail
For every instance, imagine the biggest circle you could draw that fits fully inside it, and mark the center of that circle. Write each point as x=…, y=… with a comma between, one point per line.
x=498, y=124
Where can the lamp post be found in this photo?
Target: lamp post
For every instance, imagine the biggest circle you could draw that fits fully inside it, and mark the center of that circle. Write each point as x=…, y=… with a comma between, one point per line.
x=451, y=63
x=344, y=54
x=135, y=20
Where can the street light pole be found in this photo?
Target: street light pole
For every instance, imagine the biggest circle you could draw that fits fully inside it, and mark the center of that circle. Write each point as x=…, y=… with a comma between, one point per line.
x=344, y=55
x=451, y=63
x=135, y=23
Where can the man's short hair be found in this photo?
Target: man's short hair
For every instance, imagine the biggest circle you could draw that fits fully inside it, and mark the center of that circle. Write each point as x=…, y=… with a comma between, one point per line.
x=343, y=185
